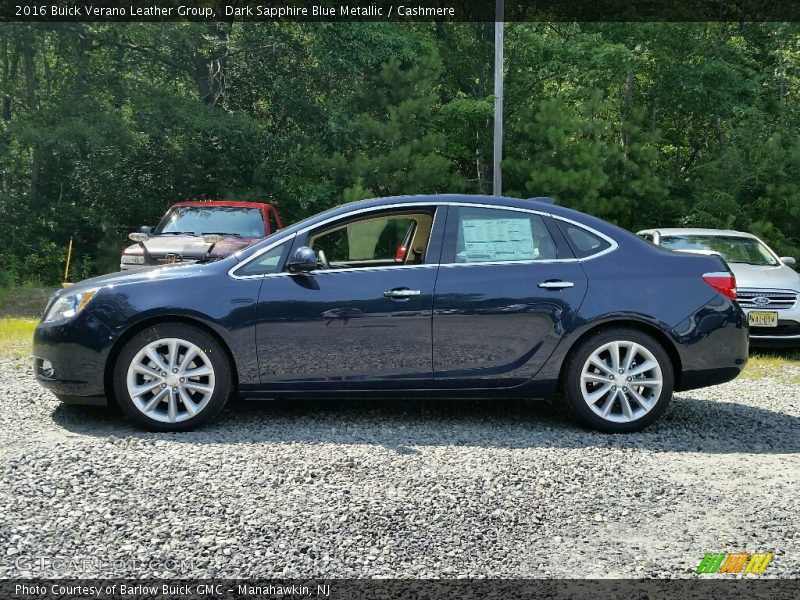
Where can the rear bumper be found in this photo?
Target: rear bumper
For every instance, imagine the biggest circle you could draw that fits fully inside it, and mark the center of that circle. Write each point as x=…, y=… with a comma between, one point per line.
x=712, y=345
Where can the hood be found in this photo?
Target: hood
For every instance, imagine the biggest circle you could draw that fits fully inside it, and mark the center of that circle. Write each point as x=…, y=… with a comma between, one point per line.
x=754, y=276
x=159, y=272
x=188, y=246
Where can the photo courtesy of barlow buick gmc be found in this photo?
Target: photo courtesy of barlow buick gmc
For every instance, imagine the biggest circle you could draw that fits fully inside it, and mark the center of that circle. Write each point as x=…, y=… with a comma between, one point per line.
x=450, y=299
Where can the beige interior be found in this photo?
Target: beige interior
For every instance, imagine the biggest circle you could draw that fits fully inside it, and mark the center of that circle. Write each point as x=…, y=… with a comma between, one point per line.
x=419, y=240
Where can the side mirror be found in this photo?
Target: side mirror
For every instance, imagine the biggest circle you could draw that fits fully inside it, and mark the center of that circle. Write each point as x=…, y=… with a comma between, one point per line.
x=142, y=235
x=789, y=261
x=303, y=260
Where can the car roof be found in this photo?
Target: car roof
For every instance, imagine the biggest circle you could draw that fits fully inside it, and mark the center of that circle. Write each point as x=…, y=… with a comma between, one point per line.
x=542, y=203
x=226, y=203
x=697, y=231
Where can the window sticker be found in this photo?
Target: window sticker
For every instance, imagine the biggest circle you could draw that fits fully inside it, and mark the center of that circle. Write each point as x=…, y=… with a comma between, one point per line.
x=496, y=240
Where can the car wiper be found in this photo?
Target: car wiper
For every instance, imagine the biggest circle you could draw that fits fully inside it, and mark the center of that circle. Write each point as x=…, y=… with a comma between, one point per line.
x=238, y=235
x=177, y=233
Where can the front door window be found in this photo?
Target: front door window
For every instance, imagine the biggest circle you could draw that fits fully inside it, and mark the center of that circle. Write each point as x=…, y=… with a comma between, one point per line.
x=386, y=240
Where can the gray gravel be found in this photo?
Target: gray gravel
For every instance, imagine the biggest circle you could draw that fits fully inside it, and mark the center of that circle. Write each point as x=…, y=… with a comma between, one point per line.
x=408, y=489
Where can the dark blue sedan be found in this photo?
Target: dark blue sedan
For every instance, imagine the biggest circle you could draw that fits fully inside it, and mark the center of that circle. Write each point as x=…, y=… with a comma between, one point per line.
x=469, y=296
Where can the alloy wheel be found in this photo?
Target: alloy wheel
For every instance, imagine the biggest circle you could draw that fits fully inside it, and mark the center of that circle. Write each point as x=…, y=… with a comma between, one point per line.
x=621, y=381
x=170, y=380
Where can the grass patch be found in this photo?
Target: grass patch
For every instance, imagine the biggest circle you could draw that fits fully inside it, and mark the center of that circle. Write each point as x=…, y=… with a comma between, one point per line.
x=781, y=365
x=24, y=302
x=16, y=336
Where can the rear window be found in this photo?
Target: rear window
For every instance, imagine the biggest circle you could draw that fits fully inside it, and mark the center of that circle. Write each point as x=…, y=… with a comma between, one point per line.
x=584, y=243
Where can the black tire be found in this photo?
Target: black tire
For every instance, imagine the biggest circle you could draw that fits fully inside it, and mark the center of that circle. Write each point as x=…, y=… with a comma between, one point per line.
x=214, y=354
x=574, y=392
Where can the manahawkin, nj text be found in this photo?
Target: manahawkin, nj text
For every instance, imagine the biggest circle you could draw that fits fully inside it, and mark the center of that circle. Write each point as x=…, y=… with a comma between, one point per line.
x=170, y=590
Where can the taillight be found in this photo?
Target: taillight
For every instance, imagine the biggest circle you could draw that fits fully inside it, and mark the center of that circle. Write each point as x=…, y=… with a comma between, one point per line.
x=724, y=283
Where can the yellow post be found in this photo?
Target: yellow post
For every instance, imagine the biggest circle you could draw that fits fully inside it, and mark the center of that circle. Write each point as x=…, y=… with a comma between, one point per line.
x=69, y=256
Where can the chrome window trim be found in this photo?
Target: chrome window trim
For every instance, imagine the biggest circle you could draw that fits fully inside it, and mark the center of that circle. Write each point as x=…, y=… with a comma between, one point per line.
x=264, y=250
x=498, y=263
x=331, y=220
x=613, y=244
x=347, y=270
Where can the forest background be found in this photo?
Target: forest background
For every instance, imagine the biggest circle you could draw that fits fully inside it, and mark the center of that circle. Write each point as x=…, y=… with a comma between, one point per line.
x=103, y=126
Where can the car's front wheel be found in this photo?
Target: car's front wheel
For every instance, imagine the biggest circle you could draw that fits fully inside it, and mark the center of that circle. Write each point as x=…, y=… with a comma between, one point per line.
x=172, y=377
x=619, y=380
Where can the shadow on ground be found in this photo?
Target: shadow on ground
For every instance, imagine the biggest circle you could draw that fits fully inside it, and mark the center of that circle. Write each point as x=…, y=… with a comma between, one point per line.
x=690, y=425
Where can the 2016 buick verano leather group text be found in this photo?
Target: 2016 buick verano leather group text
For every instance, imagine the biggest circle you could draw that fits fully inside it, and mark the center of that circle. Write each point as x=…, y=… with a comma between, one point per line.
x=472, y=296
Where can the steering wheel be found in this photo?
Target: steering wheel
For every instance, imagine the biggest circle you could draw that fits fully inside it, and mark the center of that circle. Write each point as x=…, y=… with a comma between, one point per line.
x=322, y=260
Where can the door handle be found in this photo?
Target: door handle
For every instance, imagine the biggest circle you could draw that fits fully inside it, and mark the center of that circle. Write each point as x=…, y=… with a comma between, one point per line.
x=401, y=293
x=556, y=285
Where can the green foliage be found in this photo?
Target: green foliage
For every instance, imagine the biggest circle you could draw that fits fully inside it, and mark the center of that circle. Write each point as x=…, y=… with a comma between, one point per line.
x=574, y=154
x=6, y=279
x=393, y=144
x=103, y=126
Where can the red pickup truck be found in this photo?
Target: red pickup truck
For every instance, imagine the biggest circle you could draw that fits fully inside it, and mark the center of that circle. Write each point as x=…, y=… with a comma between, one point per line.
x=197, y=229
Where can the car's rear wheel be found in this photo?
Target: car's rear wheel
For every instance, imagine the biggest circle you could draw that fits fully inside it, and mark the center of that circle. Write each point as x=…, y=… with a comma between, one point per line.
x=619, y=380
x=172, y=377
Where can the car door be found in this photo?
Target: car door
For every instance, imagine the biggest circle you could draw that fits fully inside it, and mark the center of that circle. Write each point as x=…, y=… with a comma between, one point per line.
x=362, y=320
x=508, y=287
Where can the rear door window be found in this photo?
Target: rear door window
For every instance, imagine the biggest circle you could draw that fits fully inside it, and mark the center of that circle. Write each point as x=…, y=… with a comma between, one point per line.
x=489, y=235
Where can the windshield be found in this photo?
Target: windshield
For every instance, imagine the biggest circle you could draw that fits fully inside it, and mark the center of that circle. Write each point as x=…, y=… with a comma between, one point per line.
x=733, y=249
x=199, y=220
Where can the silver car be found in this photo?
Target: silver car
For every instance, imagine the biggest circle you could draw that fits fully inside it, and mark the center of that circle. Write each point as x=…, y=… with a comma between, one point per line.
x=767, y=285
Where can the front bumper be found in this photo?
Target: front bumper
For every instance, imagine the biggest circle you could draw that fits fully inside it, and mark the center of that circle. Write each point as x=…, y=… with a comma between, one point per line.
x=786, y=304
x=69, y=358
x=787, y=333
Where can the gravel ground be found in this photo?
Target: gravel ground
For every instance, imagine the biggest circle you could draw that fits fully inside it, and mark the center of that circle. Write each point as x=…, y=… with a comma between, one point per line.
x=408, y=489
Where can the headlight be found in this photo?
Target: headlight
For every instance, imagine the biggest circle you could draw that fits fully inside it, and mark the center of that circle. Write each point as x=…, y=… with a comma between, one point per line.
x=132, y=259
x=69, y=305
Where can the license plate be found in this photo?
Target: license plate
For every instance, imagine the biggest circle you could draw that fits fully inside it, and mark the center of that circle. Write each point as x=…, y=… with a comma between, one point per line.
x=763, y=319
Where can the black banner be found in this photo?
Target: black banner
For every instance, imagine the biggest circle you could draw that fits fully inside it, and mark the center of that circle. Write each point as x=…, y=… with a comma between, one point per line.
x=396, y=10
x=339, y=589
